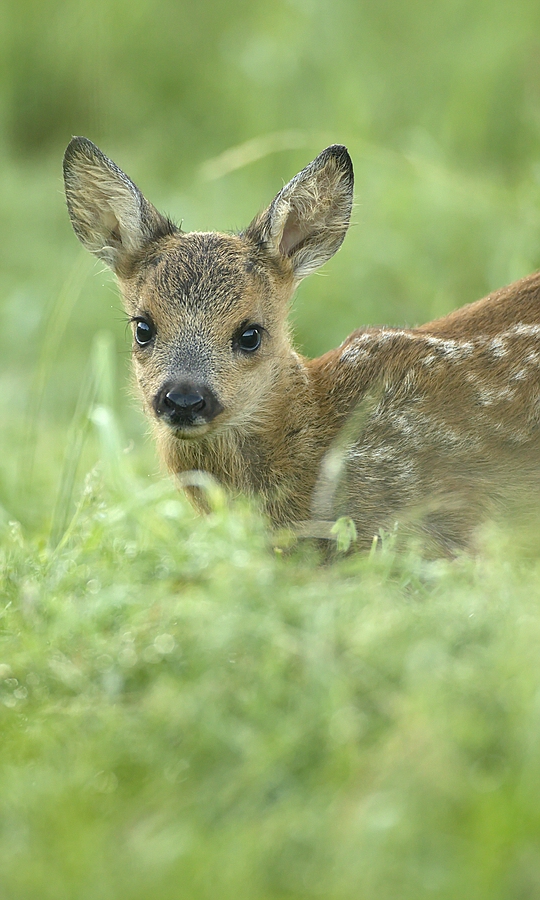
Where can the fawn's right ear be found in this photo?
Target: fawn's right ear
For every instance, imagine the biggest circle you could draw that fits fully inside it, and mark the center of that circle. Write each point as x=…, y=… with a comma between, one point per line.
x=109, y=214
x=308, y=220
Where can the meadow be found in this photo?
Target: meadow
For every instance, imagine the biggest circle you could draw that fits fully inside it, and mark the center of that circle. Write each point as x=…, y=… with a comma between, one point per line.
x=188, y=707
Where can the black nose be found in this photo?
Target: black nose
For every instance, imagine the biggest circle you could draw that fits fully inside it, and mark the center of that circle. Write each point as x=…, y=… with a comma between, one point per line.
x=176, y=402
x=186, y=403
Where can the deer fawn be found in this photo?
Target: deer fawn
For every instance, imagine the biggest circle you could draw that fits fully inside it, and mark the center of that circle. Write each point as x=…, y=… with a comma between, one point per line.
x=436, y=426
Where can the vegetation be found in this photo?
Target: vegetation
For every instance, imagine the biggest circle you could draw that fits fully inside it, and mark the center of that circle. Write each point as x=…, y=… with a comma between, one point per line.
x=186, y=710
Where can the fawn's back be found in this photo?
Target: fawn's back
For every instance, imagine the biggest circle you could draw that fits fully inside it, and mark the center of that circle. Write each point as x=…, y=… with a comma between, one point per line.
x=436, y=427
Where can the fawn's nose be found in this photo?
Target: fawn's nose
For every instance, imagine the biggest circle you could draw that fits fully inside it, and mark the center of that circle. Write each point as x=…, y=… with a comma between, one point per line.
x=176, y=402
x=186, y=403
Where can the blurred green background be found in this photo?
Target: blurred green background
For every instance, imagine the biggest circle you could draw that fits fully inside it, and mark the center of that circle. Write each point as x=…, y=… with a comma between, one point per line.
x=439, y=104
x=183, y=712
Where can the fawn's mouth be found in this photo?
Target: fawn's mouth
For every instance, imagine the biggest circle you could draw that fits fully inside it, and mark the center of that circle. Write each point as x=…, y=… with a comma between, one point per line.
x=191, y=432
x=196, y=431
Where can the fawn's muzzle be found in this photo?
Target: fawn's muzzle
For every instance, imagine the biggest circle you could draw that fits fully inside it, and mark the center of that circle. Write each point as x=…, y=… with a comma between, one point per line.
x=186, y=404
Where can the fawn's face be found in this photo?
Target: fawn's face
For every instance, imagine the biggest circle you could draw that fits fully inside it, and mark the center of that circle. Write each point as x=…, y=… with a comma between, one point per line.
x=208, y=310
x=209, y=329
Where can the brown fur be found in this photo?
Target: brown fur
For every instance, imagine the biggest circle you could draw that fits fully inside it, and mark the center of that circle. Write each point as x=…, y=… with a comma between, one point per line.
x=436, y=426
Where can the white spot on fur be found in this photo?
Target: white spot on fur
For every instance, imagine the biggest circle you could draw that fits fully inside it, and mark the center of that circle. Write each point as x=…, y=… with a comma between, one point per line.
x=523, y=330
x=506, y=394
x=498, y=347
x=383, y=453
x=401, y=423
x=449, y=348
x=408, y=470
x=385, y=336
x=487, y=396
x=352, y=354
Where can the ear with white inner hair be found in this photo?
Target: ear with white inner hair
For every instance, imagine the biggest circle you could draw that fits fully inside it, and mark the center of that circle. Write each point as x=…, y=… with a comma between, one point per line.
x=109, y=214
x=308, y=220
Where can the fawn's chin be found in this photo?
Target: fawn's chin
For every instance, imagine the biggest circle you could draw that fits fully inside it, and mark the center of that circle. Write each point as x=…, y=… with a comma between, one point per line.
x=191, y=432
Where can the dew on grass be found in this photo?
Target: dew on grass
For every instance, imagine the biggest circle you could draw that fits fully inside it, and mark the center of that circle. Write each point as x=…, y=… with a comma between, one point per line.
x=105, y=782
x=164, y=644
x=127, y=657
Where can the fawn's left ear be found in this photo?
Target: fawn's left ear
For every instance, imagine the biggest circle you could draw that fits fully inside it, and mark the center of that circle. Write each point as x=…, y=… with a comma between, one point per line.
x=308, y=220
x=109, y=214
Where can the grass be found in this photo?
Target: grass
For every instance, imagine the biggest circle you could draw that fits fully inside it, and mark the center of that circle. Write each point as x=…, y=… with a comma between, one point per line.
x=186, y=710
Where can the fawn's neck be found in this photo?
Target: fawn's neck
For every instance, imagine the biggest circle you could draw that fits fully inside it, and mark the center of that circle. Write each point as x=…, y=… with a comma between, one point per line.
x=278, y=458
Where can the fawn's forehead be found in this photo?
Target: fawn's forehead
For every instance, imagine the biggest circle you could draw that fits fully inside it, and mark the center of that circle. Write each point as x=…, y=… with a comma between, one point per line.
x=201, y=272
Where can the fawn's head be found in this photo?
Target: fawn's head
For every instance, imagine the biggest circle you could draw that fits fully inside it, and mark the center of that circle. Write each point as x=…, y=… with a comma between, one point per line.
x=209, y=310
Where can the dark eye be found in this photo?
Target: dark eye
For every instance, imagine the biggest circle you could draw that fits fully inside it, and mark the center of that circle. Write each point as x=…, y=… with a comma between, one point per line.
x=144, y=332
x=249, y=339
